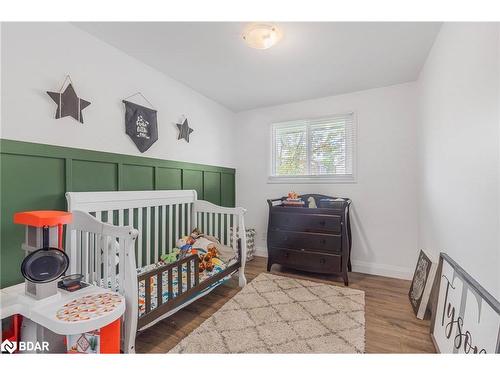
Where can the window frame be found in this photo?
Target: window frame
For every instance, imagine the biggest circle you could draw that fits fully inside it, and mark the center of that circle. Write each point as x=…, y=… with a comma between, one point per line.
x=311, y=178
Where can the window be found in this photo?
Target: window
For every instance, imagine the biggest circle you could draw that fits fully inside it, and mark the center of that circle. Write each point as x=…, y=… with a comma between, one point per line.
x=318, y=150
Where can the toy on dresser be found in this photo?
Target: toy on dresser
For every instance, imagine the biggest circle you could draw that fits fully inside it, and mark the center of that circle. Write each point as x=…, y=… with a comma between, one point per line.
x=293, y=200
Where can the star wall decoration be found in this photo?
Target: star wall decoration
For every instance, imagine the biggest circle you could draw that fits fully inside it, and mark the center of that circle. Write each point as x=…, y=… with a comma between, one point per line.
x=184, y=130
x=68, y=103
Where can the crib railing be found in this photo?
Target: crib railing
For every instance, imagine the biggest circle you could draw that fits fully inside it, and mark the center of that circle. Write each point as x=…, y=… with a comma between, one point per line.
x=182, y=295
x=160, y=219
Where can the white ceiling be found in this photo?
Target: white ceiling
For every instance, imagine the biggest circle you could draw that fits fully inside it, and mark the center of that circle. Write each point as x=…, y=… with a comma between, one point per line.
x=312, y=60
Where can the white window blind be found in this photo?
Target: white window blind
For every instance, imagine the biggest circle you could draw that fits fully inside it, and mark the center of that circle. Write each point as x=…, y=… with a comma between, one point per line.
x=316, y=149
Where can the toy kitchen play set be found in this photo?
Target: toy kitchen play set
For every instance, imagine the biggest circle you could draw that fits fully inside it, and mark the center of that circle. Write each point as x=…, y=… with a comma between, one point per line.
x=51, y=312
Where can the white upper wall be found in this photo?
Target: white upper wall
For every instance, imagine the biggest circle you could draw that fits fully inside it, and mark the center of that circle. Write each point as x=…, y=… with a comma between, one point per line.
x=384, y=206
x=459, y=150
x=36, y=58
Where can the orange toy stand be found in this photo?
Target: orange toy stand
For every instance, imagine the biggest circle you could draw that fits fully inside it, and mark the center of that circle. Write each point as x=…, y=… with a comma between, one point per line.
x=45, y=218
x=110, y=338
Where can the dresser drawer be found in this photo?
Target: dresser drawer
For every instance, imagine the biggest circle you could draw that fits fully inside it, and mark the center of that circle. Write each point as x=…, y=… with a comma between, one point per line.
x=306, y=223
x=331, y=243
x=307, y=261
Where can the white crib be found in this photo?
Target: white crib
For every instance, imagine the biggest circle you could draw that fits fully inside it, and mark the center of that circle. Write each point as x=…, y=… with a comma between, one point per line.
x=114, y=233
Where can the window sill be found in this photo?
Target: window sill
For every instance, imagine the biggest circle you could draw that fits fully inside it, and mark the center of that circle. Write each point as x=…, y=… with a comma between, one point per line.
x=348, y=179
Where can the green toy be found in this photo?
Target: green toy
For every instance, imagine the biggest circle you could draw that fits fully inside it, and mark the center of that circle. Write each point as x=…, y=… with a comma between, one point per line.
x=170, y=257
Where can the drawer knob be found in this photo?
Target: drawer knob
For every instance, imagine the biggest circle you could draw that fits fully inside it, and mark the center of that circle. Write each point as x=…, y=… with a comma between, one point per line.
x=322, y=223
x=323, y=241
x=287, y=255
x=322, y=261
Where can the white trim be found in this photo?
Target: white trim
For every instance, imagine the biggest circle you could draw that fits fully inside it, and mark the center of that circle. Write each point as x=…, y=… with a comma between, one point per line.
x=312, y=179
x=380, y=269
x=260, y=252
x=369, y=268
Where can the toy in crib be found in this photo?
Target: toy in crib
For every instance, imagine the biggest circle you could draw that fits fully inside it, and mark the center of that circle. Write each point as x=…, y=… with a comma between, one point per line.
x=206, y=263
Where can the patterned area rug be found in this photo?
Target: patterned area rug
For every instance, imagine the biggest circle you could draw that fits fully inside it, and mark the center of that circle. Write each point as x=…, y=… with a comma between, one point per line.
x=277, y=314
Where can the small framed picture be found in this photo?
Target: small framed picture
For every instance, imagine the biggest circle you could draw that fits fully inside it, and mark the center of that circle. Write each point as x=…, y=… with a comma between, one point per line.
x=421, y=285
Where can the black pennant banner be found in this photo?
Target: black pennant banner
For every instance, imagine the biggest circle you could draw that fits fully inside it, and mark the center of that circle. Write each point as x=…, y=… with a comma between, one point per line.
x=141, y=125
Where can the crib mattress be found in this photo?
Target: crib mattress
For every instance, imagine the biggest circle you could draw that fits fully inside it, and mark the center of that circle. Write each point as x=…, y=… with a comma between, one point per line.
x=219, y=266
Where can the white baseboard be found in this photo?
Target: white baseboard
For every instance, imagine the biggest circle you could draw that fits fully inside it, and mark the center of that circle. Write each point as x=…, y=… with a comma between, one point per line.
x=382, y=269
x=261, y=252
x=366, y=267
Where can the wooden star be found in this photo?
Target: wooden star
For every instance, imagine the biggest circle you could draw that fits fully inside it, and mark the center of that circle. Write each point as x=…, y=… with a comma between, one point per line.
x=68, y=103
x=184, y=130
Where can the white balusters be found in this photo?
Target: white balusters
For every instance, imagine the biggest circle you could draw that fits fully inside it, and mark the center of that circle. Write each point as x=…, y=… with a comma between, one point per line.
x=170, y=225
x=164, y=246
x=157, y=245
x=217, y=217
x=140, y=213
x=228, y=223
x=148, y=235
x=183, y=219
x=85, y=251
x=189, y=214
x=177, y=227
x=234, y=244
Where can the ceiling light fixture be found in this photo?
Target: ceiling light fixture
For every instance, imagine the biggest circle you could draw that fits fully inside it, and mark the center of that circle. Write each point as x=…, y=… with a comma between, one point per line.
x=262, y=36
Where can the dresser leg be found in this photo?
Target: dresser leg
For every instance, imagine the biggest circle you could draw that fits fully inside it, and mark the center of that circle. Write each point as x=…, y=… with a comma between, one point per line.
x=346, y=279
x=269, y=265
x=349, y=266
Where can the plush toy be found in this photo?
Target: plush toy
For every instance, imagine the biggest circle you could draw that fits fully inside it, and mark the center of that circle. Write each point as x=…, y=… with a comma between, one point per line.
x=293, y=195
x=206, y=259
x=170, y=257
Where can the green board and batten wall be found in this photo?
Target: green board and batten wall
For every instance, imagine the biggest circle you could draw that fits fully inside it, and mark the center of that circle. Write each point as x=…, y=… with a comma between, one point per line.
x=36, y=176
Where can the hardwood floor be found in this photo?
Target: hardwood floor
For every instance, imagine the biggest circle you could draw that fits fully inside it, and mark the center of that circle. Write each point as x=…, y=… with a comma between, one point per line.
x=391, y=326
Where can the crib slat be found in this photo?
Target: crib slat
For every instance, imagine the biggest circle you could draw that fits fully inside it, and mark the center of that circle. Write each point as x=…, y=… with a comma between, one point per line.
x=188, y=275
x=189, y=218
x=147, y=294
x=164, y=248
x=228, y=223
x=140, y=213
x=91, y=257
x=156, y=247
x=205, y=223
x=85, y=250
x=148, y=235
x=121, y=217
x=79, y=251
x=217, y=216
x=234, y=233
x=170, y=284
x=177, y=226
x=183, y=219
x=170, y=225
x=98, y=259
x=196, y=272
x=105, y=256
x=179, y=280
x=159, y=289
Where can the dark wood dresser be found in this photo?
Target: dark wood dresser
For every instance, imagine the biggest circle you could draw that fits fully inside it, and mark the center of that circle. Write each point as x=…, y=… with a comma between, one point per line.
x=310, y=239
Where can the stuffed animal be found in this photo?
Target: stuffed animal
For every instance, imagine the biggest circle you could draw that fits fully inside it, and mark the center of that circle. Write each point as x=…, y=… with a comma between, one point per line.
x=170, y=257
x=206, y=259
